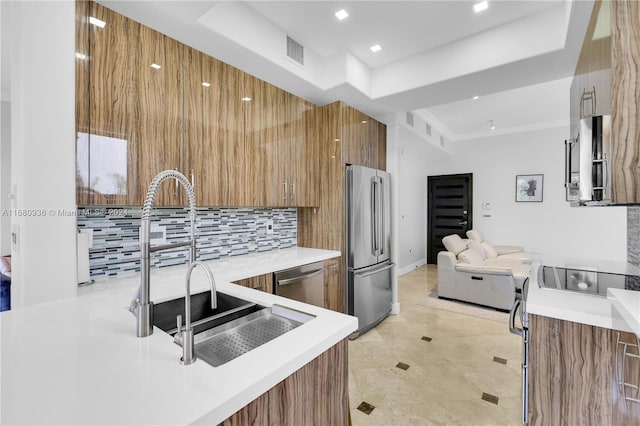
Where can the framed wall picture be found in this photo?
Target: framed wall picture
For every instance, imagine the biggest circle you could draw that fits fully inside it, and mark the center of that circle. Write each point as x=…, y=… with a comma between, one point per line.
x=529, y=188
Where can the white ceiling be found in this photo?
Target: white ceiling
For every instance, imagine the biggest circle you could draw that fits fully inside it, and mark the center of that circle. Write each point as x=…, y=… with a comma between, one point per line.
x=436, y=54
x=402, y=28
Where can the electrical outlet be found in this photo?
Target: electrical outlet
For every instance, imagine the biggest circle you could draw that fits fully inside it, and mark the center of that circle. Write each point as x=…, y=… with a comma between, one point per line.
x=269, y=226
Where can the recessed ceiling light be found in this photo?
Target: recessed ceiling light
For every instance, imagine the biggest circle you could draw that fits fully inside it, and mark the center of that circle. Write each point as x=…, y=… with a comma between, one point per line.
x=341, y=14
x=246, y=99
x=97, y=22
x=491, y=126
x=375, y=48
x=479, y=7
x=81, y=55
x=156, y=66
x=476, y=97
x=205, y=84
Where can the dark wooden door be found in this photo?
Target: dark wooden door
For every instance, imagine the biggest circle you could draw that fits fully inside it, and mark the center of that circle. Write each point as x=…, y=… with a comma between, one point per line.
x=450, y=210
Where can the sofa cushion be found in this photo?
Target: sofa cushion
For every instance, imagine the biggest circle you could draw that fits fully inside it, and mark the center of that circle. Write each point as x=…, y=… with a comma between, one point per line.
x=475, y=235
x=454, y=243
x=473, y=245
x=490, y=250
x=470, y=256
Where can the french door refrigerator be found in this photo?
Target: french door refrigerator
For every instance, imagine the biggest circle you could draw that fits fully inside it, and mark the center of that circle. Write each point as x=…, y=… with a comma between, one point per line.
x=369, y=268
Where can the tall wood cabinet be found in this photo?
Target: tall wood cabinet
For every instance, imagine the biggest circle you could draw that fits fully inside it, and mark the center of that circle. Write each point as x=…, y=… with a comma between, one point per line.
x=605, y=82
x=345, y=137
x=147, y=103
x=573, y=376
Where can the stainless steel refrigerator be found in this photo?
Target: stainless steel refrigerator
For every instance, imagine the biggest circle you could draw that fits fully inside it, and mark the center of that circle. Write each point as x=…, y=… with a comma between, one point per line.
x=369, y=268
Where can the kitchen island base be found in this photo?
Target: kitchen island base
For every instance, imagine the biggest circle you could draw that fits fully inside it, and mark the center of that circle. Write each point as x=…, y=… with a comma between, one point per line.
x=316, y=394
x=573, y=378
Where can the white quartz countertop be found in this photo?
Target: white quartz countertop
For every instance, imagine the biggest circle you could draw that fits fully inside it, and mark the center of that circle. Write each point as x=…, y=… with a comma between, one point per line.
x=573, y=306
x=78, y=361
x=627, y=304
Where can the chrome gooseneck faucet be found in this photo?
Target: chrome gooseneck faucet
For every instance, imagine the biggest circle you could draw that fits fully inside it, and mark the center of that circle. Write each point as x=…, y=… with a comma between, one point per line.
x=188, y=354
x=141, y=305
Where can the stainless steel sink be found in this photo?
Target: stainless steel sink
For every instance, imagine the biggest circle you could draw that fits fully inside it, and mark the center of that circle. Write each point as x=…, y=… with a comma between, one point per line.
x=202, y=316
x=234, y=328
x=221, y=344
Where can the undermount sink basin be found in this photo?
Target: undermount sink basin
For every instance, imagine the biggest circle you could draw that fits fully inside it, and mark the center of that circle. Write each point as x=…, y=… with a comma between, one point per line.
x=234, y=328
x=202, y=316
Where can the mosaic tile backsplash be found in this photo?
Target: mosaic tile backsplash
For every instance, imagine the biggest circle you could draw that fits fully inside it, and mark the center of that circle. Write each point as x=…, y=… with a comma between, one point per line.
x=633, y=235
x=220, y=232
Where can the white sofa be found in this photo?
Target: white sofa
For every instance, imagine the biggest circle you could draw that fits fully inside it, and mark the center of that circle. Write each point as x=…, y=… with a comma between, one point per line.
x=465, y=272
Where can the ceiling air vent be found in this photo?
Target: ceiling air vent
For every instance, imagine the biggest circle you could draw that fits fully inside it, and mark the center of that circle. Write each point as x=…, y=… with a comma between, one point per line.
x=295, y=50
x=410, y=119
x=428, y=129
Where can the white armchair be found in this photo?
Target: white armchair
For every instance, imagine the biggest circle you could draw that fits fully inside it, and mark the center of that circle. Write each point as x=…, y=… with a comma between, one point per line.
x=465, y=273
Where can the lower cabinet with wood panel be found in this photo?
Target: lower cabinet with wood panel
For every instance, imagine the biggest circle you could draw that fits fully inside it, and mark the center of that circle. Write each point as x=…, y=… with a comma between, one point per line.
x=576, y=374
x=316, y=394
x=260, y=282
x=333, y=297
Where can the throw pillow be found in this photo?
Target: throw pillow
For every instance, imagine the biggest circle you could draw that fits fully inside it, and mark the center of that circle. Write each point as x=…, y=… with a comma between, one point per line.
x=470, y=256
x=475, y=246
x=454, y=243
x=491, y=251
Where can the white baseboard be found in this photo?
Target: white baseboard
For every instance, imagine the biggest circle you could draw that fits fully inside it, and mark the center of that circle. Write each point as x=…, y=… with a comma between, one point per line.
x=409, y=268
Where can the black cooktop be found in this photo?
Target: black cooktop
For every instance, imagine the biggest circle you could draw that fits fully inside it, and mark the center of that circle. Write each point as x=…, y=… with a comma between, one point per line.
x=586, y=280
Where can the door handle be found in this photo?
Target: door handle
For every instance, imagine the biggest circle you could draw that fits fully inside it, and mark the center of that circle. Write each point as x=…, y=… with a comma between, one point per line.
x=367, y=274
x=464, y=222
x=300, y=277
x=512, y=319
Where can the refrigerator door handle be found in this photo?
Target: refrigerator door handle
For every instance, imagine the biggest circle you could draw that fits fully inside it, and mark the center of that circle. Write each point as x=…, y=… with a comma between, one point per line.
x=374, y=217
x=381, y=214
x=369, y=273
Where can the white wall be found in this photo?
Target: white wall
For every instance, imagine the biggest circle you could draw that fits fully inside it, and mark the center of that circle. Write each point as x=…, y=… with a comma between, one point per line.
x=5, y=177
x=42, y=93
x=551, y=227
x=412, y=203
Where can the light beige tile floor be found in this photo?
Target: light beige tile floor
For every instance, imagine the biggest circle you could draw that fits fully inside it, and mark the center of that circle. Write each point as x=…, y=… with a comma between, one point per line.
x=446, y=376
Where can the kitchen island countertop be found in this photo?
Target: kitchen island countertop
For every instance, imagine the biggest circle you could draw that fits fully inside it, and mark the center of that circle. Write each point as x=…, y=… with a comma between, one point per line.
x=78, y=360
x=596, y=310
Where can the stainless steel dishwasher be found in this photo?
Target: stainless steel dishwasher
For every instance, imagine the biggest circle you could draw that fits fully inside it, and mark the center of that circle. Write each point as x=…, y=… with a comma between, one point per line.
x=304, y=283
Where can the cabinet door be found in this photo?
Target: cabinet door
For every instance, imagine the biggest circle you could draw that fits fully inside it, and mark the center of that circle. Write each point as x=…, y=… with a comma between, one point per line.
x=82, y=100
x=107, y=149
x=159, y=114
x=355, y=134
x=260, y=282
x=214, y=131
x=305, y=154
x=333, y=296
x=382, y=146
x=260, y=136
x=135, y=112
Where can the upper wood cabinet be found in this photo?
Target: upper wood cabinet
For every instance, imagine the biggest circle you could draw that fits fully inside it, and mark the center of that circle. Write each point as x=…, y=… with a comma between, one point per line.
x=363, y=139
x=214, y=133
x=591, y=86
x=147, y=103
x=605, y=82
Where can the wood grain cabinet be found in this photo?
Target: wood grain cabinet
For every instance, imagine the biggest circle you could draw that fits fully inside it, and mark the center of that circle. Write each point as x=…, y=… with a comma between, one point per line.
x=260, y=282
x=591, y=86
x=605, y=82
x=133, y=128
x=147, y=103
x=332, y=284
x=362, y=139
x=573, y=378
x=342, y=138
